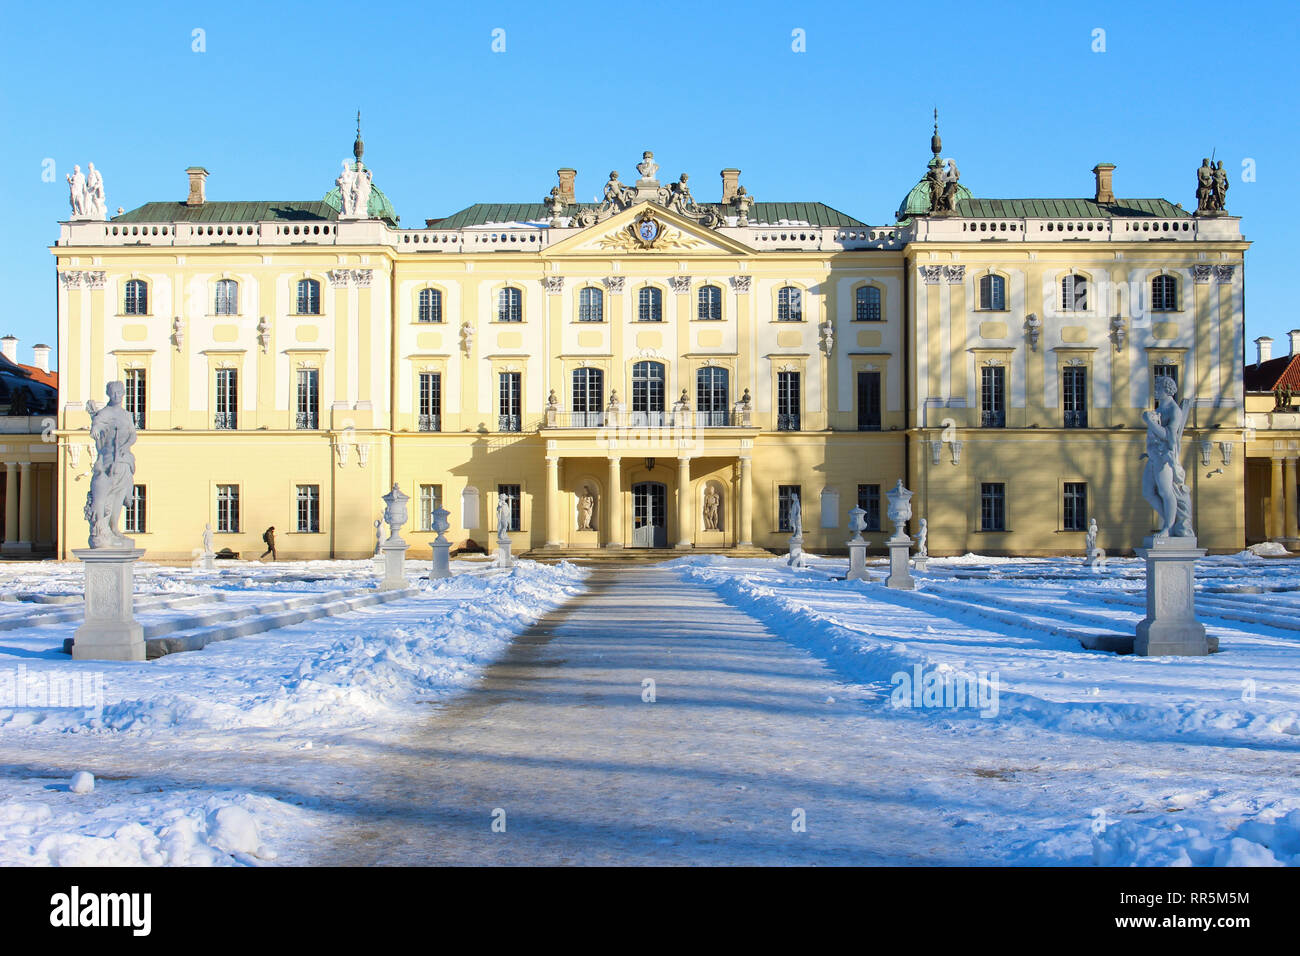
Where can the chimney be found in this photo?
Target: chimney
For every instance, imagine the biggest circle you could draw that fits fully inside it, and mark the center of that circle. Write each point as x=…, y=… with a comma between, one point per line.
x=1264, y=349
x=567, y=176
x=41, y=357
x=1294, y=336
x=198, y=177
x=730, y=180
x=1103, y=172
x=9, y=348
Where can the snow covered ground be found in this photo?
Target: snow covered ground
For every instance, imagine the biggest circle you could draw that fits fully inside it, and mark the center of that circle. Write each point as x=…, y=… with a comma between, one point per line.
x=237, y=708
x=999, y=629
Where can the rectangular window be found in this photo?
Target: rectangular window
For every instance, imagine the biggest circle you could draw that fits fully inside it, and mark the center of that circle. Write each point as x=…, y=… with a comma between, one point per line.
x=514, y=494
x=1074, y=396
x=993, y=396
x=430, y=402
x=308, y=399
x=227, y=297
x=134, y=400
x=227, y=509
x=1075, y=506
x=869, y=501
x=133, y=516
x=588, y=397
x=227, y=398
x=510, y=418
x=430, y=501
x=868, y=401
x=787, y=401
x=308, y=509
x=784, y=495
x=993, y=506
x=308, y=297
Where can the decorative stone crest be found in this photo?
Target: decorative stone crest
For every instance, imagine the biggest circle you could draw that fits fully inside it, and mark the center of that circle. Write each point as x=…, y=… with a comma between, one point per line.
x=466, y=338
x=741, y=284
x=358, y=277
x=954, y=273
x=614, y=283
x=554, y=285
x=680, y=283
x=264, y=333
x=80, y=279
x=931, y=275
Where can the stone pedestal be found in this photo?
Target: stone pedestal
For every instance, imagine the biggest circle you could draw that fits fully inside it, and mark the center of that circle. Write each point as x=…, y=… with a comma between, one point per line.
x=858, y=560
x=207, y=561
x=504, y=558
x=441, y=559
x=1096, y=558
x=1170, y=627
x=795, y=558
x=900, y=548
x=394, y=565
x=110, y=631
x=921, y=563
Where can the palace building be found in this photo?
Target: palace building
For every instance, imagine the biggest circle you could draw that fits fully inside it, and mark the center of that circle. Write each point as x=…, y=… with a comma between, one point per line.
x=654, y=370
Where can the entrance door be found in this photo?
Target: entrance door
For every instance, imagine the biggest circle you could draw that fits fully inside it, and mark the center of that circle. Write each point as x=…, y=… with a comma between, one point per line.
x=649, y=515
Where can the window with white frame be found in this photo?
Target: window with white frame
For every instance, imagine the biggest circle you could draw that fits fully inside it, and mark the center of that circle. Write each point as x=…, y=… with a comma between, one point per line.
x=227, y=297
x=510, y=305
x=993, y=293
x=135, y=398
x=866, y=307
x=227, y=414
x=430, y=413
x=1164, y=294
x=133, y=515
x=430, y=306
x=789, y=304
x=709, y=303
x=591, y=305
x=649, y=305
x=136, y=297
x=1074, y=293
x=227, y=509
x=430, y=501
x=308, y=509
x=308, y=297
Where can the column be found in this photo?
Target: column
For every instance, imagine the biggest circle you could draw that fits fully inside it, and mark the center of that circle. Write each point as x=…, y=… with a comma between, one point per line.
x=26, y=514
x=746, y=535
x=685, y=529
x=11, y=505
x=615, y=495
x=1289, y=500
x=552, y=502
x=1274, y=500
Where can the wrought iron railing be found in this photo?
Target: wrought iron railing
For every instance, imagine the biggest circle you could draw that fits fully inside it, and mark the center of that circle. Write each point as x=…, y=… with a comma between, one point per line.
x=787, y=423
x=993, y=419
x=306, y=420
x=508, y=423
x=1077, y=419
x=223, y=420
x=430, y=423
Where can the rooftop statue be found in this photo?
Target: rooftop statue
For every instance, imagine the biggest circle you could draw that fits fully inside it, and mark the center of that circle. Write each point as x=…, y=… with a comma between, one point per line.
x=95, y=193
x=1164, y=480
x=113, y=433
x=1205, y=187
x=647, y=167
x=77, y=192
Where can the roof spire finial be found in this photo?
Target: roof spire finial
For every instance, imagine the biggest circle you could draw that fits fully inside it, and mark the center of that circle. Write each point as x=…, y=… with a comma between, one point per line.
x=358, y=147
x=936, y=144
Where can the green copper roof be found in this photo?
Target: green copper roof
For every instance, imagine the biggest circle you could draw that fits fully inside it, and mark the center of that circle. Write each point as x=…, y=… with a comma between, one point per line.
x=1068, y=208
x=296, y=211
x=760, y=214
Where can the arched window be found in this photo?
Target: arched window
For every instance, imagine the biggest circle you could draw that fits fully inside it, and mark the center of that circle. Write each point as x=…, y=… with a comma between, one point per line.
x=648, y=394
x=1074, y=294
x=710, y=308
x=136, y=301
x=308, y=297
x=993, y=293
x=789, y=304
x=430, y=309
x=712, y=398
x=591, y=305
x=867, y=304
x=227, y=298
x=1164, y=294
x=510, y=305
x=649, y=305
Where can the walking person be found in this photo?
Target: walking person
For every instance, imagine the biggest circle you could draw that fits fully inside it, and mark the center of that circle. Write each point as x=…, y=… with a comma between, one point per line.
x=269, y=537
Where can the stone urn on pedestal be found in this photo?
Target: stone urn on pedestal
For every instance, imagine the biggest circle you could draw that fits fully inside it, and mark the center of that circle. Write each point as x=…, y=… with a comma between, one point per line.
x=441, y=546
x=900, y=545
x=394, y=548
x=857, y=546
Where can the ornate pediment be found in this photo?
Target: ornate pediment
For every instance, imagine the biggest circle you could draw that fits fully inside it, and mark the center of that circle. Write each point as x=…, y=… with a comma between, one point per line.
x=648, y=228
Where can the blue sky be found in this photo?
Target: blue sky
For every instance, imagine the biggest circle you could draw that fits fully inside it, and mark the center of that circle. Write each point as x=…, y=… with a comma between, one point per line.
x=1025, y=106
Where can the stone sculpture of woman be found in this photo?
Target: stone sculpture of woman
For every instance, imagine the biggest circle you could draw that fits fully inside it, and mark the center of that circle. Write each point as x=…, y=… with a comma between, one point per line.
x=504, y=515
x=796, y=517
x=207, y=539
x=586, y=508
x=113, y=433
x=712, y=507
x=1164, y=481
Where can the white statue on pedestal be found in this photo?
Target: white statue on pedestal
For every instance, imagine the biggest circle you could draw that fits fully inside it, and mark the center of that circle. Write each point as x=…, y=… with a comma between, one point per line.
x=922, y=534
x=586, y=509
x=796, y=517
x=113, y=433
x=504, y=516
x=207, y=539
x=1164, y=480
x=94, y=193
x=77, y=193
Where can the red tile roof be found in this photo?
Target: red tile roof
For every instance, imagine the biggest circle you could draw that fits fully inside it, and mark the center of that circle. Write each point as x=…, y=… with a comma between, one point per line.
x=45, y=378
x=1266, y=376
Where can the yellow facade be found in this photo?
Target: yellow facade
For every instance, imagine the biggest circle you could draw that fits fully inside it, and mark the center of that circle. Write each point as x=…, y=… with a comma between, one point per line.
x=368, y=347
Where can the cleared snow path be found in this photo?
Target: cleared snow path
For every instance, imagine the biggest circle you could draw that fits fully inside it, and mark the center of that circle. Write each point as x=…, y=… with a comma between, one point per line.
x=745, y=731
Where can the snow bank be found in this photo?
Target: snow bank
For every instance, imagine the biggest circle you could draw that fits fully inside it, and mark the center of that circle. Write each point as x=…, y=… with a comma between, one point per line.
x=185, y=828
x=1263, y=841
